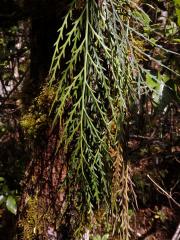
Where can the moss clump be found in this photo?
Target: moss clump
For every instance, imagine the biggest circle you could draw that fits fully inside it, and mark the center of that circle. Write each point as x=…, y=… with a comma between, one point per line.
x=46, y=97
x=31, y=223
x=36, y=218
x=37, y=117
x=31, y=123
x=28, y=122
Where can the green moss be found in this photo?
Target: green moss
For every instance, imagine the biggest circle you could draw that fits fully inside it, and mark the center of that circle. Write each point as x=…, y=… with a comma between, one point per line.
x=28, y=122
x=28, y=223
x=46, y=97
x=36, y=218
x=31, y=223
x=37, y=115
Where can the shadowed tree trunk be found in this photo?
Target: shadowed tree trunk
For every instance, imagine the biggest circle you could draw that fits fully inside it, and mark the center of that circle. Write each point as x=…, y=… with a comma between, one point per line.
x=46, y=17
x=46, y=170
x=41, y=200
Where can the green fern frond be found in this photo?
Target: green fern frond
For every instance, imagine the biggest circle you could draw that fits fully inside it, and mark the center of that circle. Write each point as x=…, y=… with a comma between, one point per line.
x=96, y=72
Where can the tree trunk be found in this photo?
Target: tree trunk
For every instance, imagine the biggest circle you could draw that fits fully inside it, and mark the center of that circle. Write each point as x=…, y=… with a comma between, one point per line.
x=46, y=17
x=42, y=200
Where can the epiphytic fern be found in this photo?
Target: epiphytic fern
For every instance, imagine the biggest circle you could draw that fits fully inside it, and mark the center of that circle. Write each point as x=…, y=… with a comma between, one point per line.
x=97, y=74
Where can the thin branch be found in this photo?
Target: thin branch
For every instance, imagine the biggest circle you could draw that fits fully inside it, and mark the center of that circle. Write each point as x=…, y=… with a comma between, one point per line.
x=176, y=236
x=161, y=190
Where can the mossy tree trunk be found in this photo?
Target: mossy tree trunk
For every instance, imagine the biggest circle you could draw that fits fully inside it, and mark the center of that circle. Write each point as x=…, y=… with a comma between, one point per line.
x=41, y=199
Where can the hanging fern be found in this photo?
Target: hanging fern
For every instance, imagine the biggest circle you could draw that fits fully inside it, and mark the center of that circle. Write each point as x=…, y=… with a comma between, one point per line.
x=97, y=70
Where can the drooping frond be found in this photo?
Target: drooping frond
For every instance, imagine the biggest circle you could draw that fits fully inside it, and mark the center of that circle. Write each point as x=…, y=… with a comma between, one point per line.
x=97, y=70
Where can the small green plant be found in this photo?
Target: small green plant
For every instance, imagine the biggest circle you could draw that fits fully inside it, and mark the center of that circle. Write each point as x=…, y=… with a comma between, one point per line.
x=7, y=197
x=98, y=237
x=2, y=128
x=160, y=215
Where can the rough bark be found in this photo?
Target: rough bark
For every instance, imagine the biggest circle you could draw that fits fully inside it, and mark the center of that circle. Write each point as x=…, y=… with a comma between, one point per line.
x=46, y=170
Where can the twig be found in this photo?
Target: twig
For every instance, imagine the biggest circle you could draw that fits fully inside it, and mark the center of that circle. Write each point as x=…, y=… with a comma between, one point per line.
x=164, y=192
x=142, y=137
x=15, y=87
x=176, y=236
